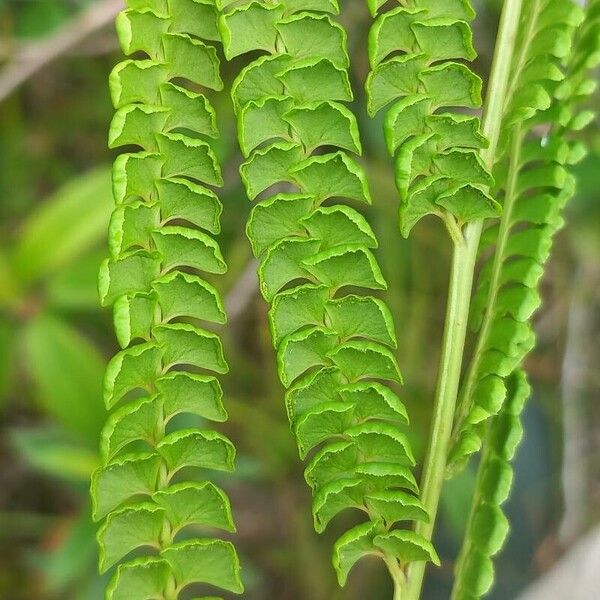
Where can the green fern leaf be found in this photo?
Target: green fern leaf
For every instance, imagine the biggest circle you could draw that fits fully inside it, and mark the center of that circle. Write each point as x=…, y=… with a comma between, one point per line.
x=488, y=527
x=413, y=53
x=160, y=246
x=538, y=186
x=333, y=347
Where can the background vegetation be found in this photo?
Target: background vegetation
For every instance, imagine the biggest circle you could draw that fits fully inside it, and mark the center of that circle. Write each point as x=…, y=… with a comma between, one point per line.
x=55, y=201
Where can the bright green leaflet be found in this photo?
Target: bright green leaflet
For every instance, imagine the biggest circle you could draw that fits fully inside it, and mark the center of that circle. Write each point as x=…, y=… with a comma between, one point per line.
x=334, y=348
x=160, y=245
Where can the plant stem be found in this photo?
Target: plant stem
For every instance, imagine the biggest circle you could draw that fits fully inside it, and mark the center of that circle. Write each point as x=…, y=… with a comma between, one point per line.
x=497, y=93
x=166, y=535
x=520, y=61
x=397, y=575
x=503, y=235
x=459, y=298
x=461, y=281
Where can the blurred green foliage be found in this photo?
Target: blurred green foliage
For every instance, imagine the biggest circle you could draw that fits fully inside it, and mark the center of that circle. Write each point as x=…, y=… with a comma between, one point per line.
x=55, y=201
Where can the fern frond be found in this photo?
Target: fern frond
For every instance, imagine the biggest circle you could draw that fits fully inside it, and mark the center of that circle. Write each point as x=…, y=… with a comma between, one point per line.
x=160, y=246
x=488, y=526
x=537, y=184
x=334, y=348
x=417, y=53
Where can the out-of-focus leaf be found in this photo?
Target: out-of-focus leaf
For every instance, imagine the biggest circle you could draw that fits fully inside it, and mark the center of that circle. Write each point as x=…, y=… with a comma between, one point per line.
x=67, y=371
x=68, y=224
x=75, y=287
x=51, y=452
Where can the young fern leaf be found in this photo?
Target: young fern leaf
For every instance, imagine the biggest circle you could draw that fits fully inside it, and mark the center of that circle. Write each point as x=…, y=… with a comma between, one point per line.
x=160, y=244
x=417, y=53
x=536, y=185
x=334, y=348
x=488, y=526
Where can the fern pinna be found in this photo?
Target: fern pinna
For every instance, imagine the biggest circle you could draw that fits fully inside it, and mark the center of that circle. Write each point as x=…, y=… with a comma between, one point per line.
x=413, y=53
x=488, y=526
x=538, y=186
x=160, y=244
x=334, y=348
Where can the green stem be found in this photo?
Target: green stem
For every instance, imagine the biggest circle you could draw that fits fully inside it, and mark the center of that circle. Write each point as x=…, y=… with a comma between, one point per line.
x=503, y=235
x=497, y=93
x=166, y=535
x=461, y=283
x=397, y=575
x=465, y=400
